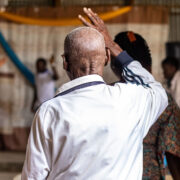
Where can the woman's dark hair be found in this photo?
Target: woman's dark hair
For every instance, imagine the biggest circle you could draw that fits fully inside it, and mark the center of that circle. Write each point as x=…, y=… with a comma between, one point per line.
x=41, y=60
x=136, y=47
x=171, y=61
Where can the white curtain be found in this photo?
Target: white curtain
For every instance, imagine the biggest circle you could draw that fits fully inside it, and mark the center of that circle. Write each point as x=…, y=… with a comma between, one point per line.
x=31, y=42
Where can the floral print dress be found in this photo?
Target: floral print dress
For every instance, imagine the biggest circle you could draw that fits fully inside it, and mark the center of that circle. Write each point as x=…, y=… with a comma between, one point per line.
x=164, y=136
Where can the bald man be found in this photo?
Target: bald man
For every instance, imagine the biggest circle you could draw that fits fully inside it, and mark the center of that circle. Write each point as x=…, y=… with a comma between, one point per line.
x=92, y=131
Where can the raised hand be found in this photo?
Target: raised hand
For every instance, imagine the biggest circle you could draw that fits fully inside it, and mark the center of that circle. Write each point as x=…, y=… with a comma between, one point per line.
x=97, y=23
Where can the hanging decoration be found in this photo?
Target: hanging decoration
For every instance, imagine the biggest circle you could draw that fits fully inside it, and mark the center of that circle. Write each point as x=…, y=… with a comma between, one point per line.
x=2, y=61
x=22, y=68
x=60, y=22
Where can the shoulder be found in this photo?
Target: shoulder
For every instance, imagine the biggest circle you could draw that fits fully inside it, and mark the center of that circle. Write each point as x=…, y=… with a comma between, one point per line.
x=172, y=109
x=177, y=76
x=171, y=102
x=47, y=115
x=129, y=93
x=49, y=105
x=130, y=89
x=178, y=72
x=48, y=109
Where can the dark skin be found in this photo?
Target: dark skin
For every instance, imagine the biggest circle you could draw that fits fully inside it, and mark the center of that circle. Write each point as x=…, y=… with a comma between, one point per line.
x=85, y=53
x=98, y=24
x=40, y=68
x=55, y=74
x=169, y=71
x=173, y=165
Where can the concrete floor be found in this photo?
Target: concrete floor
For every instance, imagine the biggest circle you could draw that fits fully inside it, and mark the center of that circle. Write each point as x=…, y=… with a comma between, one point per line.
x=10, y=164
x=7, y=176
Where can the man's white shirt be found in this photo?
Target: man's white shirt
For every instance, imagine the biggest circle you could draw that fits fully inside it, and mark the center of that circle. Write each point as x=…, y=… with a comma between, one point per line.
x=95, y=132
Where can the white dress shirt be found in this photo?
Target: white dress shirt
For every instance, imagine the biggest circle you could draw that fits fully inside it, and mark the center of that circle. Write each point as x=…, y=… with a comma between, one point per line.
x=93, y=131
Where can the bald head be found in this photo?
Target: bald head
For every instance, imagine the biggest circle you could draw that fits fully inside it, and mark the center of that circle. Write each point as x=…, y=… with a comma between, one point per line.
x=85, y=53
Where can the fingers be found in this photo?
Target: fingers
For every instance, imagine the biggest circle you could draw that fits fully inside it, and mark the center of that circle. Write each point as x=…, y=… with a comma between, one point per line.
x=84, y=21
x=96, y=21
x=99, y=20
x=90, y=15
x=94, y=15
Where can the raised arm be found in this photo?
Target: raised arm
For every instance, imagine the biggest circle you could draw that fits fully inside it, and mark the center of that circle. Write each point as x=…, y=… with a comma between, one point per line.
x=55, y=74
x=98, y=24
x=133, y=72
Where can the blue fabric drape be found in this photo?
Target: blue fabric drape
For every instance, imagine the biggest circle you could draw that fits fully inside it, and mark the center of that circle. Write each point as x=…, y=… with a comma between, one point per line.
x=14, y=58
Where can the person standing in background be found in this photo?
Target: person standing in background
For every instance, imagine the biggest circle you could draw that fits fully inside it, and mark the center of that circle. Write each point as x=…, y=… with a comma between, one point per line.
x=44, y=82
x=171, y=72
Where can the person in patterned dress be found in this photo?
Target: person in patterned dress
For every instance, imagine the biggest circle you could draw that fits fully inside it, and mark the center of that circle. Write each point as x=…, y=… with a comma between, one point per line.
x=164, y=136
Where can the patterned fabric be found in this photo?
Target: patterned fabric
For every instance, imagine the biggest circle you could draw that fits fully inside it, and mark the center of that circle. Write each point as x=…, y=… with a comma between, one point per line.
x=163, y=137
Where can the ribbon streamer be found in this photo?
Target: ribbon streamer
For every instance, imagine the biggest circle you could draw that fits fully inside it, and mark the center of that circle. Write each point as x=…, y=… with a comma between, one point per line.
x=22, y=68
x=60, y=22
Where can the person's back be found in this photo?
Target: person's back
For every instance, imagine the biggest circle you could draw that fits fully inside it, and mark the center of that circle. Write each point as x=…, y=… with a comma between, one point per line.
x=91, y=130
x=101, y=130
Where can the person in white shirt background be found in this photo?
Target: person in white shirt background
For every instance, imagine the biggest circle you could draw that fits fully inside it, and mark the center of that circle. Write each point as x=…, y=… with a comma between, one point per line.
x=171, y=72
x=44, y=82
x=90, y=130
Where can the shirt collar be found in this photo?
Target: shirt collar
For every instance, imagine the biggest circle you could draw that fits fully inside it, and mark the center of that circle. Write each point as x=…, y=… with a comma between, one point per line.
x=79, y=81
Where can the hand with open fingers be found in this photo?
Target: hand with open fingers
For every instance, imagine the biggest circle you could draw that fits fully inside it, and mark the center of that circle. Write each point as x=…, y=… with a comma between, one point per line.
x=97, y=23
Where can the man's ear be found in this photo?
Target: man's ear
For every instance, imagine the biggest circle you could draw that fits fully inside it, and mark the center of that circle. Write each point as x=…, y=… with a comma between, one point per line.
x=65, y=65
x=108, y=56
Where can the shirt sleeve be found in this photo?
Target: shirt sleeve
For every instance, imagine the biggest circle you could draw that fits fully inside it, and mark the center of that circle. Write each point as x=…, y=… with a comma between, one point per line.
x=134, y=73
x=36, y=165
